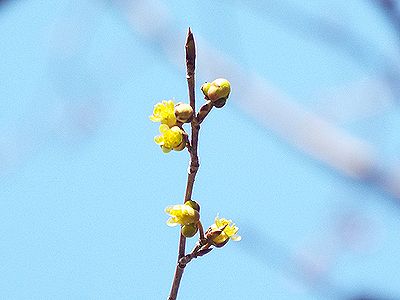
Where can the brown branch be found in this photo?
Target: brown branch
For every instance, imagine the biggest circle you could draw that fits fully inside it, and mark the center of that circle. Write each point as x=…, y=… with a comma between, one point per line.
x=190, y=50
x=176, y=282
x=194, y=254
x=204, y=111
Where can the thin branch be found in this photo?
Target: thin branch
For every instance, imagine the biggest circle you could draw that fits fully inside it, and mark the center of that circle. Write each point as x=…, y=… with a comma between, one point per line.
x=194, y=254
x=204, y=111
x=190, y=50
x=201, y=231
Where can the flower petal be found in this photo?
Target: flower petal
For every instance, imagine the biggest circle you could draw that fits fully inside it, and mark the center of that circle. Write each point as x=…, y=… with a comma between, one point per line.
x=171, y=222
x=163, y=128
x=155, y=119
x=159, y=140
x=182, y=214
x=165, y=149
x=236, y=238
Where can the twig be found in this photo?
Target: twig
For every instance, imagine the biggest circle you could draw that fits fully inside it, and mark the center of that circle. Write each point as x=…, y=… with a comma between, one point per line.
x=190, y=50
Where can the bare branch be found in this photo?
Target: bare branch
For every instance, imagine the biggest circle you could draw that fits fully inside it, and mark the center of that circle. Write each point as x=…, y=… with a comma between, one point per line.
x=190, y=50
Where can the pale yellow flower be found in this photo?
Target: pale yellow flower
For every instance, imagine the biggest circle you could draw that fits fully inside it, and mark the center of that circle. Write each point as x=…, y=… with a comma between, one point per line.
x=181, y=214
x=170, y=138
x=229, y=231
x=164, y=112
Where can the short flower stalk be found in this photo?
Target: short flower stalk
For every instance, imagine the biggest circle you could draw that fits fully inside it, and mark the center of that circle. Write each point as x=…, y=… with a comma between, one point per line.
x=173, y=137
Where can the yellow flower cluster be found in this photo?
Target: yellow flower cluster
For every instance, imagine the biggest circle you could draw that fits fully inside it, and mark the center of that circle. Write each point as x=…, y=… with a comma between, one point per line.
x=172, y=136
x=187, y=215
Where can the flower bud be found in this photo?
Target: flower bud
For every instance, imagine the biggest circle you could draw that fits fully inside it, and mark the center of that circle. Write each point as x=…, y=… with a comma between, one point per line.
x=219, y=88
x=183, y=112
x=205, y=87
x=193, y=204
x=189, y=230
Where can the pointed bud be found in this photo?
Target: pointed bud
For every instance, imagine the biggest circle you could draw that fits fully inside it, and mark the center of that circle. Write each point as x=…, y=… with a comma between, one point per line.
x=183, y=112
x=189, y=230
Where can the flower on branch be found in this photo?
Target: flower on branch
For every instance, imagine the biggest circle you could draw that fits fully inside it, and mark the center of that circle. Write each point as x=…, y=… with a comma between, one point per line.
x=182, y=214
x=222, y=231
x=217, y=91
x=164, y=112
x=170, y=138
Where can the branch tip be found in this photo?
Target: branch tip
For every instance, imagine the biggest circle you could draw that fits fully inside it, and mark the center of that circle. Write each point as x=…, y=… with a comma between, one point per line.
x=190, y=48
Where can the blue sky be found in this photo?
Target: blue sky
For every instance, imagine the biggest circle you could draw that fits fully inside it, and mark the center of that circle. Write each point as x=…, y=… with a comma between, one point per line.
x=83, y=186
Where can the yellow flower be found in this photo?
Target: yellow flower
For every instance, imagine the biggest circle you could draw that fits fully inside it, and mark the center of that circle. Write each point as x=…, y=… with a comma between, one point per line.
x=181, y=214
x=229, y=231
x=170, y=138
x=164, y=112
